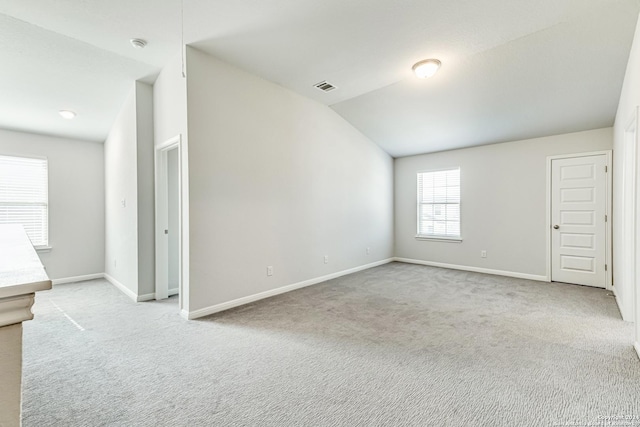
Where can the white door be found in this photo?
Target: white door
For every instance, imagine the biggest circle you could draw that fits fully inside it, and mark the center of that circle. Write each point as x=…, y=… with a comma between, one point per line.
x=578, y=220
x=169, y=219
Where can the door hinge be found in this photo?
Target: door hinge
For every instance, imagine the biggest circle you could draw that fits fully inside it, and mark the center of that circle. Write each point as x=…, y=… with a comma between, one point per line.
x=605, y=267
x=606, y=168
x=605, y=218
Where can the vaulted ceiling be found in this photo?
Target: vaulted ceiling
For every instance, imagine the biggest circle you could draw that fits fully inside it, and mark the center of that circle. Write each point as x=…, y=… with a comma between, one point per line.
x=510, y=69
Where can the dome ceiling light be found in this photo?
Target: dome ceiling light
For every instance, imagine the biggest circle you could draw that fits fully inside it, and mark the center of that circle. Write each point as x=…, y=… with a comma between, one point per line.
x=67, y=114
x=427, y=68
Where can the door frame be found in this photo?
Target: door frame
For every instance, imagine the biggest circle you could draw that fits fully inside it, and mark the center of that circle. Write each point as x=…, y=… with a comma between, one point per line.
x=161, y=218
x=629, y=212
x=608, y=201
x=634, y=177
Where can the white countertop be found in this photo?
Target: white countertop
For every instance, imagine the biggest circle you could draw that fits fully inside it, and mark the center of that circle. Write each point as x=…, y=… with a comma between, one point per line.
x=21, y=271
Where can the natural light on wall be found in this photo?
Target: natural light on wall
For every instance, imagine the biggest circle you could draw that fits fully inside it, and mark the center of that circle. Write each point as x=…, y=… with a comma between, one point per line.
x=439, y=204
x=24, y=196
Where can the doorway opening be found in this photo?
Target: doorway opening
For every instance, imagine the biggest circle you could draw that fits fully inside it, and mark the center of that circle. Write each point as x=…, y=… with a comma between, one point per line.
x=171, y=227
x=173, y=221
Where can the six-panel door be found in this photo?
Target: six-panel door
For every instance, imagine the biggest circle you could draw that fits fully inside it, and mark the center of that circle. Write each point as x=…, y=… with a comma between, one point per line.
x=578, y=209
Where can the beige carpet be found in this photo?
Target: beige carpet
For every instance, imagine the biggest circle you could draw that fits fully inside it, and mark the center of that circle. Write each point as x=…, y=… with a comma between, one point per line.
x=396, y=345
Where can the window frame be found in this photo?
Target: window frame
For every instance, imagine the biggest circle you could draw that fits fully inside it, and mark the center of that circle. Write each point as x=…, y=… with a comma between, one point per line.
x=438, y=237
x=46, y=246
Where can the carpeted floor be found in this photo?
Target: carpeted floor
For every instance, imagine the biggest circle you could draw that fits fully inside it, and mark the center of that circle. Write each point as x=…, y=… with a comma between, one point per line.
x=396, y=345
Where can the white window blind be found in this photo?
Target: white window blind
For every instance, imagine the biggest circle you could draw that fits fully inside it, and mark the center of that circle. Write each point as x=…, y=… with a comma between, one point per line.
x=439, y=204
x=24, y=196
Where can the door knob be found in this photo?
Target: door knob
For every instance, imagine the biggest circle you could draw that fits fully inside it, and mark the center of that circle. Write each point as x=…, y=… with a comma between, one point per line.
x=556, y=226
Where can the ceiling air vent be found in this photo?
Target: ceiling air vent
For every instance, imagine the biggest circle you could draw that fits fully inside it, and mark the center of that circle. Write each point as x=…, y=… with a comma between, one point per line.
x=324, y=86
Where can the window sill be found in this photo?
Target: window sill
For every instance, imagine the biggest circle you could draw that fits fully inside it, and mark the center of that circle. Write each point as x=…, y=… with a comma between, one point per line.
x=440, y=239
x=43, y=248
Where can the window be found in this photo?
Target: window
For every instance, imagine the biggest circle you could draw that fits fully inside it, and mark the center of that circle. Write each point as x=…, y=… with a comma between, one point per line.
x=24, y=196
x=439, y=204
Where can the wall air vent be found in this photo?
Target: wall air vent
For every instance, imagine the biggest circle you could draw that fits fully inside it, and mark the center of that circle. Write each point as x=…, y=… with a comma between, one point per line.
x=324, y=86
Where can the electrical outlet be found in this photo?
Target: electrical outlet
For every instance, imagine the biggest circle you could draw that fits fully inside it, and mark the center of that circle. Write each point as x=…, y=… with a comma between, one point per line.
x=326, y=259
x=368, y=251
x=115, y=263
x=269, y=270
x=123, y=203
x=483, y=254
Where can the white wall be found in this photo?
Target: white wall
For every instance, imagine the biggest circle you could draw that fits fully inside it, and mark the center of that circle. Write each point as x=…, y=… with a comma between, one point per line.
x=170, y=102
x=76, y=200
x=170, y=120
x=629, y=100
x=121, y=184
x=146, y=207
x=503, y=202
x=129, y=228
x=276, y=179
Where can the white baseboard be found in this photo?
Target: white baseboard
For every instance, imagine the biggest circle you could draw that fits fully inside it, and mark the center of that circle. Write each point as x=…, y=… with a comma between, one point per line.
x=474, y=269
x=625, y=314
x=273, y=292
x=77, y=278
x=128, y=292
x=636, y=345
x=152, y=296
x=146, y=297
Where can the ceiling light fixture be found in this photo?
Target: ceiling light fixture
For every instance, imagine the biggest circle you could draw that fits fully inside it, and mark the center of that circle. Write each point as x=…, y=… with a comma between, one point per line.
x=67, y=114
x=138, y=43
x=427, y=68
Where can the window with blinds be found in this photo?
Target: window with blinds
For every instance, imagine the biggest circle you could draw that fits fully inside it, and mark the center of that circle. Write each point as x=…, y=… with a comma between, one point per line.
x=24, y=196
x=439, y=204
